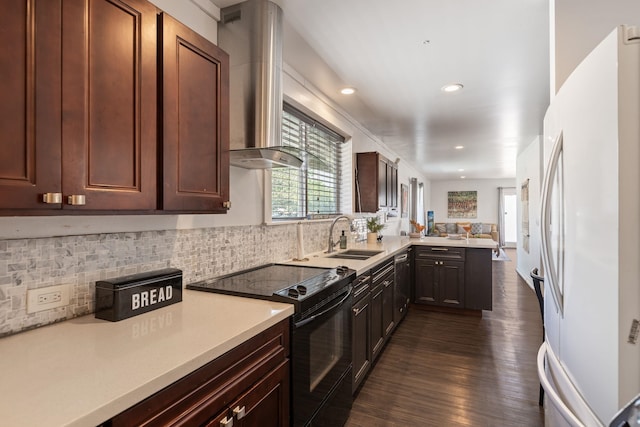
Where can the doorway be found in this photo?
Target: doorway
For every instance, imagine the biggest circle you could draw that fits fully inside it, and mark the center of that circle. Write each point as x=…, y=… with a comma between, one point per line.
x=509, y=215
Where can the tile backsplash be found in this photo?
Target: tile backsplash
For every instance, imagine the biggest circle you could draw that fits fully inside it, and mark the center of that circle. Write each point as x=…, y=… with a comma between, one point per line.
x=82, y=260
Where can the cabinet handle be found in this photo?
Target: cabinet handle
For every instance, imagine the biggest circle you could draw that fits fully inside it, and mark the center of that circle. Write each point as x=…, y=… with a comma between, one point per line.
x=226, y=205
x=226, y=422
x=439, y=249
x=386, y=283
x=52, y=198
x=76, y=199
x=239, y=412
x=357, y=311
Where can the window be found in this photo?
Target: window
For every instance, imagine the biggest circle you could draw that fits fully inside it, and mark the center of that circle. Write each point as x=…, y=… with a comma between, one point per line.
x=315, y=187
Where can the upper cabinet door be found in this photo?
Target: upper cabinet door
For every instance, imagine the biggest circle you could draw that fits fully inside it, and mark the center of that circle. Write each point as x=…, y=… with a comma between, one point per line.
x=109, y=85
x=30, y=125
x=195, y=121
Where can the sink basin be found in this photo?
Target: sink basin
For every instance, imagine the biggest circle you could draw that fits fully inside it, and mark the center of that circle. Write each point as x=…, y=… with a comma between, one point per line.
x=355, y=254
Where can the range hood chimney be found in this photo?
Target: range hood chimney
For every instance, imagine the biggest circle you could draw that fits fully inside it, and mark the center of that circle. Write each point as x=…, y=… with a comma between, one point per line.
x=251, y=33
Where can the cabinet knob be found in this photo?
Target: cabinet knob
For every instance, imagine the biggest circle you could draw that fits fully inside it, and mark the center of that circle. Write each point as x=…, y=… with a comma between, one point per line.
x=76, y=199
x=239, y=412
x=226, y=205
x=226, y=422
x=52, y=198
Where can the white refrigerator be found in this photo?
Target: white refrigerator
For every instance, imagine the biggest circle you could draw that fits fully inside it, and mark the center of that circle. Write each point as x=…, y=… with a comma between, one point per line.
x=590, y=225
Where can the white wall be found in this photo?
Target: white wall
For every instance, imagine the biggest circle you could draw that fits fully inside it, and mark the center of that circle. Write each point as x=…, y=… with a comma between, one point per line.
x=581, y=25
x=529, y=167
x=487, y=197
x=201, y=16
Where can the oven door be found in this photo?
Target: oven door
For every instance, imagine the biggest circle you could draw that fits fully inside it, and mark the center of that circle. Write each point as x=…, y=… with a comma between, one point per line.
x=321, y=353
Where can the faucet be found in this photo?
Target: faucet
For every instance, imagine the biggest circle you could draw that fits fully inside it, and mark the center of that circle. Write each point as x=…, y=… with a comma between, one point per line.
x=330, y=243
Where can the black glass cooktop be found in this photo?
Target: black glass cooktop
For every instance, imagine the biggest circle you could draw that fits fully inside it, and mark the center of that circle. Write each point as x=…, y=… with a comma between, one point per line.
x=279, y=282
x=264, y=280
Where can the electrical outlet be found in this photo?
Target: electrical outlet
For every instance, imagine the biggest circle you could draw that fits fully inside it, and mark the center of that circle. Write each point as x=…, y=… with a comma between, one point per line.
x=47, y=298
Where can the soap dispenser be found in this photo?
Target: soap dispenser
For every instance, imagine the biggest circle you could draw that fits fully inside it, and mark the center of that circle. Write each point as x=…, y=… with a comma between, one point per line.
x=343, y=241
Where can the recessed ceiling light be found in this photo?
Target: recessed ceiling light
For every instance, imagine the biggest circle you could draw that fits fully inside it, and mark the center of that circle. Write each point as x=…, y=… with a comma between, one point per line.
x=348, y=91
x=454, y=87
x=460, y=170
x=462, y=177
x=459, y=147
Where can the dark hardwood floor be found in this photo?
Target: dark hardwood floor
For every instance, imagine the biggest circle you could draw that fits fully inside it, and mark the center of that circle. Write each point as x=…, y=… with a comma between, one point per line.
x=441, y=369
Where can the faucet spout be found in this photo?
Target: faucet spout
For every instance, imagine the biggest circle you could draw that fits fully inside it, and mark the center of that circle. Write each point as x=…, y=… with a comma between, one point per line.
x=330, y=243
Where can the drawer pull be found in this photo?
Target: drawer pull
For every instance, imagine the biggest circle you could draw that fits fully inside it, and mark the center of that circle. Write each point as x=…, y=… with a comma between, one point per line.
x=226, y=422
x=239, y=412
x=76, y=200
x=357, y=311
x=361, y=279
x=440, y=249
x=52, y=198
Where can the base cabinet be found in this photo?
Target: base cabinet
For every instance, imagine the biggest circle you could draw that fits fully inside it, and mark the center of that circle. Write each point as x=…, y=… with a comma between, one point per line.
x=402, y=283
x=376, y=331
x=439, y=277
x=361, y=329
x=381, y=305
x=247, y=386
x=440, y=282
x=453, y=277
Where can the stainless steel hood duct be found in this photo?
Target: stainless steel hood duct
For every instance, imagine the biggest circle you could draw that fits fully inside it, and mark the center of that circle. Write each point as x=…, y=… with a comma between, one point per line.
x=251, y=33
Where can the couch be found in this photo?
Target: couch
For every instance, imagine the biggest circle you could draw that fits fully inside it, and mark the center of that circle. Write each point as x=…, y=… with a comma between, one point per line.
x=479, y=230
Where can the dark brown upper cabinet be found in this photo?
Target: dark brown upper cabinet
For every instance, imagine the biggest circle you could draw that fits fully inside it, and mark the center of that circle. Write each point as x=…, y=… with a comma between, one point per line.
x=195, y=121
x=376, y=182
x=107, y=107
x=30, y=126
x=109, y=103
x=78, y=120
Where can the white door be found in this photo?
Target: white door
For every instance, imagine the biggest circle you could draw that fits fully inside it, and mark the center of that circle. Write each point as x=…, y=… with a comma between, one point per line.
x=510, y=218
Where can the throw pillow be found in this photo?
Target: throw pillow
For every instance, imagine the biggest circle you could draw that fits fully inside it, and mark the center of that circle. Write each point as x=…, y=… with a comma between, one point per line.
x=476, y=228
x=486, y=228
x=442, y=228
x=451, y=228
x=461, y=226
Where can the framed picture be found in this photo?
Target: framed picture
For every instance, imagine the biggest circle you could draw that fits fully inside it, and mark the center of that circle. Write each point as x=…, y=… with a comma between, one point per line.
x=404, y=200
x=462, y=204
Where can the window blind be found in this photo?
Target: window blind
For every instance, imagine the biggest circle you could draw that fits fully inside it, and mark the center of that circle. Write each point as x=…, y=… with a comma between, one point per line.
x=314, y=189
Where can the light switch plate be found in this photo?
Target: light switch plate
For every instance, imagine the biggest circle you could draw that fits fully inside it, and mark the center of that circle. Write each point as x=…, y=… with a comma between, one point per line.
x=47, y=298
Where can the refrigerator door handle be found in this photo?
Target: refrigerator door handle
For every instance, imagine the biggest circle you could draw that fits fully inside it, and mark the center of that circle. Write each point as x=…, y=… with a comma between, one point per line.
x=550, y=269
x=550, y=391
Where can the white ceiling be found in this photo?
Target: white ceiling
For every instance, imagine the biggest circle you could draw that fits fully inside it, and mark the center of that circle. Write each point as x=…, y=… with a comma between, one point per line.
x=399, y=54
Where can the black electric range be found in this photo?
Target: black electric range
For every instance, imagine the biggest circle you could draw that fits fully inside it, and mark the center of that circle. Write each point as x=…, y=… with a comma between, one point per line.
x=304, y=287
x=321, y=362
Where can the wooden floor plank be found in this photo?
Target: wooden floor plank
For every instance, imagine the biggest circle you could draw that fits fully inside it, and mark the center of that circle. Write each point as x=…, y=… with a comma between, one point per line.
x=442, y=369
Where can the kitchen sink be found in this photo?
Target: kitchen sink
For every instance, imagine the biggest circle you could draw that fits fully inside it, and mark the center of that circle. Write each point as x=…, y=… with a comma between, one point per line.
x=355, y=254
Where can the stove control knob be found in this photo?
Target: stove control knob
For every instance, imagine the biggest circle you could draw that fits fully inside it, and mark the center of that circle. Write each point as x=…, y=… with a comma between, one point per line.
x=342, y=269
x=302, y=289
x=292, y=293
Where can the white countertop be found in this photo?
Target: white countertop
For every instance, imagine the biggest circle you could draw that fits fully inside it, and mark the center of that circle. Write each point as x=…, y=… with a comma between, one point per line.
x=390, y=245
x=83, y=371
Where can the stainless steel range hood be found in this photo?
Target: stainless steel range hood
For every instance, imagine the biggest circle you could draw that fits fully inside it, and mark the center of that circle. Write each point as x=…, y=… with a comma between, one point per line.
x=251, y=33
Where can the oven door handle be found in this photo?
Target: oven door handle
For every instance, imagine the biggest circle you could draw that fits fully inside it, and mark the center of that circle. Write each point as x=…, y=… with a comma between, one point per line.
x=323, y=312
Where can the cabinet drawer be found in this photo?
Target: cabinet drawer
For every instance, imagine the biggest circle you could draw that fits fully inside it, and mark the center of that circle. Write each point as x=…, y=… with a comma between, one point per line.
x=361, y=286
x=441, y=252
x=380, y=272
